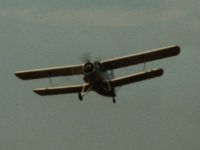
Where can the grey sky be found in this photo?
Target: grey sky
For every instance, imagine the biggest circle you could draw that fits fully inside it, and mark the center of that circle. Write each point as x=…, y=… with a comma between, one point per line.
x=162, y=113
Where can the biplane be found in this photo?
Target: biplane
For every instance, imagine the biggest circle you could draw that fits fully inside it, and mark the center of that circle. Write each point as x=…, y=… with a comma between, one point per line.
x=99, y=76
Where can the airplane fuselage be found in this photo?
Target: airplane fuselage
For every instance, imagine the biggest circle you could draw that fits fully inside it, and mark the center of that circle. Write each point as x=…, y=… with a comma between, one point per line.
x=98, y=79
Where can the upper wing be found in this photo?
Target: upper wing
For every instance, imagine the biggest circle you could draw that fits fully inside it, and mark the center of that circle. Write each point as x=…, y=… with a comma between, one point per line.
x=50, y=72
x=140, y=57
x=60, y=90
x=136, y=77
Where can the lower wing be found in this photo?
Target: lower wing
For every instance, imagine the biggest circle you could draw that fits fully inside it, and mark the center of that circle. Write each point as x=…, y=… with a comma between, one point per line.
x=60, y=90
x=136, y=77
x=114, y=83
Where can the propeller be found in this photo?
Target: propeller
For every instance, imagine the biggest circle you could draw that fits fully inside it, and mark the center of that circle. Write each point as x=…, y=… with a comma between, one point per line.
x=86, y=57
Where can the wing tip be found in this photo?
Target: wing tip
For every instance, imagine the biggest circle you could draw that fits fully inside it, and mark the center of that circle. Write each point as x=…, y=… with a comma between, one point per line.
x=173, y=50
x=19, y=75
x=161, y=71
x=39, y=91
x=156, y=72
x=177, y=49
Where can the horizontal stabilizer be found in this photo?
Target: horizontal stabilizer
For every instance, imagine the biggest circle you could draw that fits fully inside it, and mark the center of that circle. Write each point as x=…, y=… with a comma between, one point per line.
x=140, y=57
x=136, y=77
x=60, y=90
x=50, y=72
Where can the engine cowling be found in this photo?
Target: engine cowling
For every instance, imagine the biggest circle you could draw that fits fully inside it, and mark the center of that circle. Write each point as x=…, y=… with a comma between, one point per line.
x=88, y=68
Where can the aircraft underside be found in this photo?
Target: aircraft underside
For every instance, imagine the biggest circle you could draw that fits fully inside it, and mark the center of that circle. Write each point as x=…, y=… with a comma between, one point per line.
x=102, y=88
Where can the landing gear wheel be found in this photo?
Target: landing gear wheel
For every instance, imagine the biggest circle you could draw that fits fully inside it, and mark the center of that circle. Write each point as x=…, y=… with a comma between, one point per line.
x=114, y=101
x=80, y=96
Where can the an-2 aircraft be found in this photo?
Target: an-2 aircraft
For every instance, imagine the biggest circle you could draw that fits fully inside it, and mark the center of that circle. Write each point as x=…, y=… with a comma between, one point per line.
x=98, y=76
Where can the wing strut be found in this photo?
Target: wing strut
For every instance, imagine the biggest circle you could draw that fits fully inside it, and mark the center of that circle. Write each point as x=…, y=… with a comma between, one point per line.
x=50, y=81
x=144, y=67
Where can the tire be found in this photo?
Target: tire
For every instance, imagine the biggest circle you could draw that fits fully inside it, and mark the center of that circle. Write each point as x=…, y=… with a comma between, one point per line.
x=114, y=101
x=80, y=96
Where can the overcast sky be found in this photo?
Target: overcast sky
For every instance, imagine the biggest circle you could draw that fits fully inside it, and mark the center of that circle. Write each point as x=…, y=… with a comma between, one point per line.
x=158, y=114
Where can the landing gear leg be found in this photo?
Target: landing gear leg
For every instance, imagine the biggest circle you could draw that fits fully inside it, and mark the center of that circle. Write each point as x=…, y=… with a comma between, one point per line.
x=83, y=92
x=111, y=89
x=114, y=101
x=80, y=96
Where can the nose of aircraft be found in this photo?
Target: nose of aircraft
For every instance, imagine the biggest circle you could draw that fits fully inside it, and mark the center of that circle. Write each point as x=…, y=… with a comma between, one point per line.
x=88, y=68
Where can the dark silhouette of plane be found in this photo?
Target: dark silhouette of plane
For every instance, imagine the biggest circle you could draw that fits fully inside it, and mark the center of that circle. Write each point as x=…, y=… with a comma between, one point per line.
x=99, y=76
